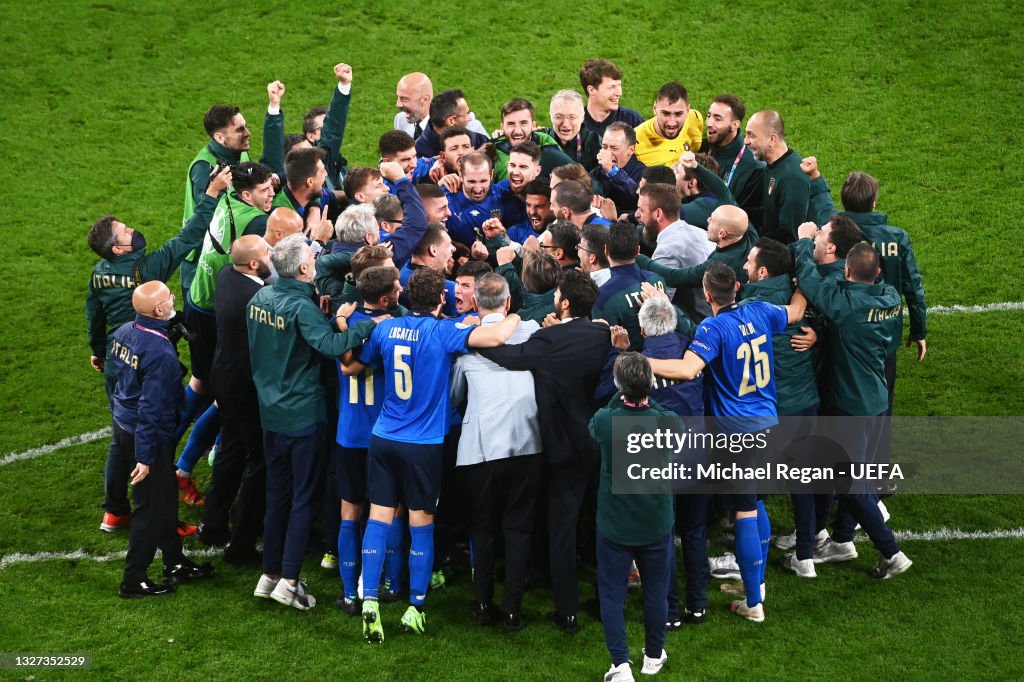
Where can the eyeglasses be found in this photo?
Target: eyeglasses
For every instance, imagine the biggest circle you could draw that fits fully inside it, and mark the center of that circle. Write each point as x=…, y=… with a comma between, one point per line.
x=549, y=246
x=580, y=247
x=171, y=299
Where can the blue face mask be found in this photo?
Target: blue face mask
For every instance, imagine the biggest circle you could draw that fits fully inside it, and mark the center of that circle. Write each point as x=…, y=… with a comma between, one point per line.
x=138, y=241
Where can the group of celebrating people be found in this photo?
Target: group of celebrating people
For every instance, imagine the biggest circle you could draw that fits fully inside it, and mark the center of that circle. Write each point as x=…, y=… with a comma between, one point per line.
x=434, y=350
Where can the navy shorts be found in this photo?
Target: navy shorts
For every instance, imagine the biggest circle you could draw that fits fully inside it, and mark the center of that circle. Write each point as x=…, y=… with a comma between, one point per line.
x=404, y=473
x=350, y=473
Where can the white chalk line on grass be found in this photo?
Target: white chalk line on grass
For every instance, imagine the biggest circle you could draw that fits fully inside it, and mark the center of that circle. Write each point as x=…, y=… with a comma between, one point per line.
x=52, y=447
x=969, y=309
x=940, y=535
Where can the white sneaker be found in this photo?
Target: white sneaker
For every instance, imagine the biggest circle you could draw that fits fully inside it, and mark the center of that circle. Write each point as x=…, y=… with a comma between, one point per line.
x=820, y=539
x=619, y=673
x=724, y=567
x=802, y=567
x=889, y=568
x=885, y=512
x=833, y=552
x=737, y=590
x=293, y=595
x=329, y=562
x=653, y=665
x=753, y=613
x=265, y=587
x=786, y=542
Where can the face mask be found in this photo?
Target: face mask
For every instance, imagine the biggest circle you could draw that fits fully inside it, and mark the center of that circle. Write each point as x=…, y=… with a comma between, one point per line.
x=138, y=241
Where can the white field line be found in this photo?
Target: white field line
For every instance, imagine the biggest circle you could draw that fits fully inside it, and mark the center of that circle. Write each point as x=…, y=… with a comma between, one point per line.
x=81, y=555
x=52, y=447
x=969, y=309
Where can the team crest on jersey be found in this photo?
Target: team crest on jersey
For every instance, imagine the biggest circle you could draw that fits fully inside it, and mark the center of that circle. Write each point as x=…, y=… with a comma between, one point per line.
x=474, y=212
x=771, y=186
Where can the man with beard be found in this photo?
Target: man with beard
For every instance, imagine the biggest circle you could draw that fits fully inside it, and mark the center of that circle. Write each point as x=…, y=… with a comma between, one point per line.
x=618, y=170
x=786, y=188
x=675, y=128
x=448, y=109
x=306, y=174
x=602, y=81
x=538, y=212
x=456, y=142
x=742, y=173
x=414, y=94
x=579, y=143
x=477, y=201
x=518, y=126
x=523, y=167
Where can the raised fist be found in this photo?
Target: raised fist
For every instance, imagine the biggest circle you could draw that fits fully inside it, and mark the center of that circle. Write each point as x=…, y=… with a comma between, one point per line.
x=492, y=227
x=343, y=72
x=391, y=170
x=688, y=159
x=606, y=160
x=275, y=91
x=810, y=166
x=807, y=230
x=505, y=255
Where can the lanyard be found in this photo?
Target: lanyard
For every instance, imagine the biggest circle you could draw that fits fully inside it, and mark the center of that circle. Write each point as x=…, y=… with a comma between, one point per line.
x=153, y=332
x=735, y=163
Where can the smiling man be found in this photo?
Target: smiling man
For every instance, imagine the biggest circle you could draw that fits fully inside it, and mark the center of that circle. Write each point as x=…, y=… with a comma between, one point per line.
x=738, y=168
x=675, y=128
x=579, y=143
x=518, y=126
x=602, y=81
x=786, y=188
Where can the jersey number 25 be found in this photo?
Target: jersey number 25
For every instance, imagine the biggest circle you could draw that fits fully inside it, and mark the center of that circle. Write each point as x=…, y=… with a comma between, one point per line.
x=751, y=353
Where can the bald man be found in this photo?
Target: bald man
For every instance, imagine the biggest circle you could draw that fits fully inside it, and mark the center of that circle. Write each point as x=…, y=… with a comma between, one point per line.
x=730, y=231
x=413, y=94
x=146, y=399
x=787, y=189
x=239, y=461
x=282, y=222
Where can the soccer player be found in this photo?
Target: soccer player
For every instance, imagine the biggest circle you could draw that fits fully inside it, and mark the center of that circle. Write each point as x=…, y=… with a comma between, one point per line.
x=404, y=461
x=674, y=129
x=734, y=346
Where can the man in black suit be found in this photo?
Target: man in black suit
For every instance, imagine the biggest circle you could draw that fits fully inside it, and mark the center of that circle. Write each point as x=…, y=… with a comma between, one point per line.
x=239, y=459
x=566, y=359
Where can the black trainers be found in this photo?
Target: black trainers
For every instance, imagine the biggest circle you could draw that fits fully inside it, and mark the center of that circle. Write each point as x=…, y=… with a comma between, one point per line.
x=512, y=622
x=484, y=613
x=186, y=571
x=144, y=588
x=695, y=617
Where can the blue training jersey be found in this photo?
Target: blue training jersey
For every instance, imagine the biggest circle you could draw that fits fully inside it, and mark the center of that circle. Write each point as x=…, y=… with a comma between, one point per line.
x=736, y=344
x=416, y=352
x=468, y=215
x=359, y=397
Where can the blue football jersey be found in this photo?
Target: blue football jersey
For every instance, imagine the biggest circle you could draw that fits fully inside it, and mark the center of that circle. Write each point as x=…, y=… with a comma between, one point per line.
x=359, y=398
x=468, y=215
x=736, y=344
x=416, y=353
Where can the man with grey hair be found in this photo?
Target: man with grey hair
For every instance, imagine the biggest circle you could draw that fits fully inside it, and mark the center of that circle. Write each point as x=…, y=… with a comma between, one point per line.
x=579, y=143
x=357, y=227
x=498, y=459
x=287, y=337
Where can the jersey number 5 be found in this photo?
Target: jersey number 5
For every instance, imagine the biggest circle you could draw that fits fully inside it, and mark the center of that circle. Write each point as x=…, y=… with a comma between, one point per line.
x=751, y=353
x=403, y=372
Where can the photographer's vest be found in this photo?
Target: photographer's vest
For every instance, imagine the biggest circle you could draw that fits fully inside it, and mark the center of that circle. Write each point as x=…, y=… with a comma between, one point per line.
x=190, y=204
x=230, y=221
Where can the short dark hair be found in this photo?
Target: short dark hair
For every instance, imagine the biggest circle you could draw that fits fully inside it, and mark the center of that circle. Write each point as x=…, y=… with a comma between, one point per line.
x=516, y=104
x=573, y=195
x=565, y=236
x=454, y=131
x=581, y=292
x=369, y=257
x=859, y=193
x=101, y=237
x=572, y=171
x=394, y=141
x=293, y=139
x=434, y=236
x=475, y=159
x=219, y=117
x=662, y=195
x=538, y=188
x=623, y=242
x=246, y=176
x=387, y=207
x=443, y=105
x=773, y=256
x=596, y=237
x=530, y=148
x=845, y=234
x=626, y=130
x=300, y=164
x=739, y=109
x=596, y=70
x=309, y=120
x=673, y=91
x=540, y=272
x=720, y=282
x=863, y=262
x=633, y=376
x=425, y=288
x=659, y=174
x=429, y=191
x=376, y=282
x=474, y=269
x=357, y=178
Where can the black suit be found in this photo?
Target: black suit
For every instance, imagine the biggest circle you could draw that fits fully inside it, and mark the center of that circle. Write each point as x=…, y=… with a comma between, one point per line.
x=566, y=361
x=241, y=448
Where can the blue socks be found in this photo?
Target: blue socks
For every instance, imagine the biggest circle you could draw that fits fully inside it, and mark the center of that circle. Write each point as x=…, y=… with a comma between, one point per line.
x=195, y=405
x=764, y=530
x=395, y=555
x=348, y=557
x=748, y=556
x=374, y=543
x=421, y=563
x=205, y=433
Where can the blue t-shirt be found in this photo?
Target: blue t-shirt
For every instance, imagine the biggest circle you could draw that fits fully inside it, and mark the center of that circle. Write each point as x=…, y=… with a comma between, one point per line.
x=359, y=398
x=736, y=344
x=467, y=215
x=416, y=352
x=513, y=209
x=405, y=274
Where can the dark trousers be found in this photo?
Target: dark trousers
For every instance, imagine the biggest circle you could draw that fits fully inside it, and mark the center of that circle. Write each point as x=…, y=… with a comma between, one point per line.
x=238, y=470
x=566, y=487
x=293, y=467
x=502, y=494
x=118, y=467
x=613, y=565
x=450, y=518
x=795, y=433
x=692, y=526
x=154, y=524
x=810, y=515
